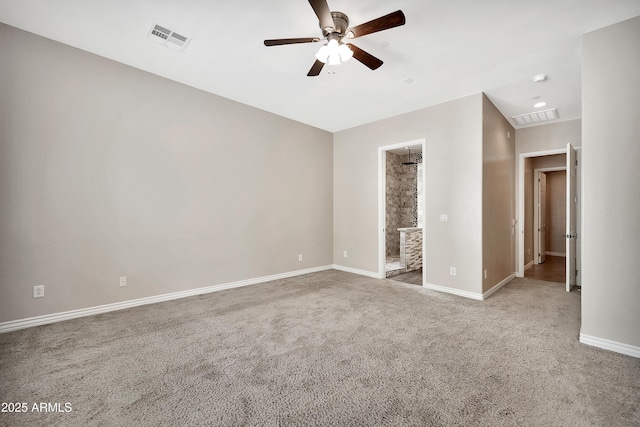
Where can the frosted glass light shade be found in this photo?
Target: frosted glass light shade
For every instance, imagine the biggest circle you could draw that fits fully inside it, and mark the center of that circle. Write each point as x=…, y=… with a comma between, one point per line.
x=334, y=53
x=345, y=53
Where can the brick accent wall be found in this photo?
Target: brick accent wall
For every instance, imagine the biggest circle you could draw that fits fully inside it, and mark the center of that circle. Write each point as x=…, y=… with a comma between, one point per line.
x=411, y=249
x=401, y=198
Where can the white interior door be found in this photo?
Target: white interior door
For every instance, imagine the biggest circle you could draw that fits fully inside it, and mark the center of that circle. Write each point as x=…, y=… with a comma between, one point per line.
x=542, y=217
x=572, y=201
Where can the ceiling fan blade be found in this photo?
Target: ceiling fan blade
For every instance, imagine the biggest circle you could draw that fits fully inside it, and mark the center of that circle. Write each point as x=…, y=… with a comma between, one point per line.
x=394, y=19
x=278, y=42
x=321, y=8
x=315, y=69
x=364, y=57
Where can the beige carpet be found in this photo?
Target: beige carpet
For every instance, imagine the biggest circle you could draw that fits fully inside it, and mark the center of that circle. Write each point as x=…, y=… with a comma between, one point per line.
x=328, y=348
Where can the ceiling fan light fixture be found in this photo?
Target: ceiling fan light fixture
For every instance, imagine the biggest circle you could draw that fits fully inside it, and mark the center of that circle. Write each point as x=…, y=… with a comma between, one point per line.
x=323, y=54
x=334, y=53
x=345, y=53
x=333, y=46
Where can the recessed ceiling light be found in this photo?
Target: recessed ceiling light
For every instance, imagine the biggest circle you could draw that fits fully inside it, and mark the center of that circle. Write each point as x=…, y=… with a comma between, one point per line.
x=539, y=104
x=539, y=78
x=408, y=80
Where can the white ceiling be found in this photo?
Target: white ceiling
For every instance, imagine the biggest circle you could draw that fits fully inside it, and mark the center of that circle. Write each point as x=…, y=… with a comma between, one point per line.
x=449, y=49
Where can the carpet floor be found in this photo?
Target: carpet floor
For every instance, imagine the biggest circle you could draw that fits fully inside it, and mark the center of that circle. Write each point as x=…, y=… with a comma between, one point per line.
x=328, y=348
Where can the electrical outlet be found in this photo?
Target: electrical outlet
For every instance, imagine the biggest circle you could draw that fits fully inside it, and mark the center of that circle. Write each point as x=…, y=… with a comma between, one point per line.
x=452, y=271
x=485, y=274
x=38, y=291
x=123, y=281
x=299, y=257
x=345, y=254
x=444, y=217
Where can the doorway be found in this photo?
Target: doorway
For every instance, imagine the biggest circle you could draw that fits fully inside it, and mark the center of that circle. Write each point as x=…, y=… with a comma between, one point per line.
x=549, y=211
x=401, y=207
x=535, y=240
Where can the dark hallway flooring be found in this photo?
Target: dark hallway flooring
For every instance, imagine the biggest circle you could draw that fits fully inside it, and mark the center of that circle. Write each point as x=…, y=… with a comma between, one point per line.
x=412, y=277
x=552, y=270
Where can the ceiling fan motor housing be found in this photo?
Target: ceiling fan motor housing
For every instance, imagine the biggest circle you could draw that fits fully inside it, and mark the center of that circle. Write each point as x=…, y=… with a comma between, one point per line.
x=341, y=23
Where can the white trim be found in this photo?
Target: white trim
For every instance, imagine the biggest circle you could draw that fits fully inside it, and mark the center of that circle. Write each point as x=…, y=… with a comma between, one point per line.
x=15, y=325
x=520, y=188
x=556, y=254
x=358, y=271
x=552, y=169
x=618, y=347
x=520, y=236
x=528, y=266
x=466, y=294
x=382, y=184
x=471, y=295
x=498, y=286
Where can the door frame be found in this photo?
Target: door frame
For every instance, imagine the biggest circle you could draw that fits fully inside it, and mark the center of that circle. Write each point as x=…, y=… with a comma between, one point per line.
x=520, y=246
x=520, y=190
x=571, y=227
x=536, y=202
x=382, y=206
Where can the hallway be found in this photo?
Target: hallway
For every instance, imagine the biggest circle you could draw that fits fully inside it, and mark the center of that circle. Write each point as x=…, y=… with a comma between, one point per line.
x=552, y=270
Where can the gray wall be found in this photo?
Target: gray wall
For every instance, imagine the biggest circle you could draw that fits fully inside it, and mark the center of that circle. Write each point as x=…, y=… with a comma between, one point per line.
x=453, y=167
x=548, y=137
x=498, y=196
x=108, y=171
x=611, y=206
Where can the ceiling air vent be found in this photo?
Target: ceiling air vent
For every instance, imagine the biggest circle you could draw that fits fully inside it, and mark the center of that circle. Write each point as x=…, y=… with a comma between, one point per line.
x=167, y=37
x=536, y=117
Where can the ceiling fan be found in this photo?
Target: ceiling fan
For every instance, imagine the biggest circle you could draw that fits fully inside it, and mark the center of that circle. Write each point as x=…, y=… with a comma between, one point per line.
x=336, y=31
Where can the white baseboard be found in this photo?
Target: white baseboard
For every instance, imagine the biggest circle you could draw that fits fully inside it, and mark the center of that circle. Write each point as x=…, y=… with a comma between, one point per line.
x=528, y=266
x=15, y=325
x=357, y=271
x=471, y=295
x=495, y=289
x=618, y=347
x=557, y=254
x=454, y=291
